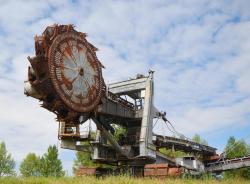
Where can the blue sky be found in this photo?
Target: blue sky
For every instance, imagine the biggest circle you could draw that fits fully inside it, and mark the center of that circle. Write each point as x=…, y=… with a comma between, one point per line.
x=199, y=50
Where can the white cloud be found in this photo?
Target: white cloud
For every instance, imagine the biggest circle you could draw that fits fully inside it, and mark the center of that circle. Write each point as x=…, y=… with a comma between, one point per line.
x=212, y=118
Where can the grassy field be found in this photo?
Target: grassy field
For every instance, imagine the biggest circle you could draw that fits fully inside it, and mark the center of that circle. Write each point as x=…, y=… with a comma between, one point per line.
x=115, y=180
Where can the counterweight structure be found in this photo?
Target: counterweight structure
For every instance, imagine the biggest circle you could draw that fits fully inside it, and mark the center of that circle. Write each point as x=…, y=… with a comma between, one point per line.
x=66, y=76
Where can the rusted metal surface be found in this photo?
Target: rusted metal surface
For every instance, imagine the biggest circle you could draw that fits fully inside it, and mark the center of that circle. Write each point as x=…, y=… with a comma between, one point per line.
x=75, y=71
x=212, y=158
x=155, y=166
x=175, y=171
x=82, y=171
x=161, y=170
x=92, y=171
x=65, y=73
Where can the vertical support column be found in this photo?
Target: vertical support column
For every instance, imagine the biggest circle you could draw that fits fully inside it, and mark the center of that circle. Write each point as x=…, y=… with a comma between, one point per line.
x=95, y=155
x=78, y=130
x=146, y=145
x=61, y=128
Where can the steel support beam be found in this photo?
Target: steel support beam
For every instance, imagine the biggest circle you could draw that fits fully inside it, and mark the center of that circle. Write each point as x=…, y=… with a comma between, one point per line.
x=128, y=86
x=146, y=145
x=110, y=138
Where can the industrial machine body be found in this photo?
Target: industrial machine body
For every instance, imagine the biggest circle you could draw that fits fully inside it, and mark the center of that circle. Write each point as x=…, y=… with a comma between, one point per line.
x=65, y=75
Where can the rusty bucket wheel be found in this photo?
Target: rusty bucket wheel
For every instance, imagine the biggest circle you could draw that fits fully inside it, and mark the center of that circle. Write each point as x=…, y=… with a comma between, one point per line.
x=75, y=71
x=69, y=63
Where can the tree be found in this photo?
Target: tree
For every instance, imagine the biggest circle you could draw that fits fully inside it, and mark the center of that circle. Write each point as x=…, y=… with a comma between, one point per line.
x=50, y=164
x=83, y=159
x=30, y=166
x=197, y=138
x=172, y=153
x=120, y=131
x=236, y=149
x=7, y=164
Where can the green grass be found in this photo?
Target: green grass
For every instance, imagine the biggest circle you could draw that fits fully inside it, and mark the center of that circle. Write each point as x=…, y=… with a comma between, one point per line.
x=115, y=180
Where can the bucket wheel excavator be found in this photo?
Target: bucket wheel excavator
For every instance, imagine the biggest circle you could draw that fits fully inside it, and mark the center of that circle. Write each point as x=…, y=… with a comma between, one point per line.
x=65, y=75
